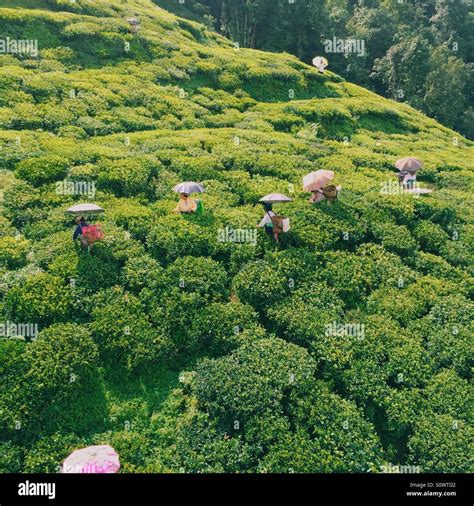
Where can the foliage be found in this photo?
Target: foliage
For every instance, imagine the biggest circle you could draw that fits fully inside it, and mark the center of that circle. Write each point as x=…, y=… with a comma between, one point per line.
x=42, y=299
x=346, y=345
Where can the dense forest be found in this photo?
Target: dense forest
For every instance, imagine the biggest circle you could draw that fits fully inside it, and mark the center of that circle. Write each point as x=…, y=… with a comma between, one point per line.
x=416, y=52
x=347, y=347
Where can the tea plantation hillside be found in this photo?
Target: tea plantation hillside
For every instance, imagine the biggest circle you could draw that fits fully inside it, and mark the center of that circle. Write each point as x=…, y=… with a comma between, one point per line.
x=345, y=348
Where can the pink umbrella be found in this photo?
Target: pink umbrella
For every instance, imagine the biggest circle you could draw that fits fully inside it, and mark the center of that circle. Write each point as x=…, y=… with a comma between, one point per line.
x=317, y=180
x=409, y=164
x=92, y=460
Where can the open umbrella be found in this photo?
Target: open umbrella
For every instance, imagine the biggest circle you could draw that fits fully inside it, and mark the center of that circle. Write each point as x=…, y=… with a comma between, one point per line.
x=320, y=62
x=85, y=208
x=92, y=460
x=317, y=180
x=275, y=197
x=409, y=164
x=188, y=187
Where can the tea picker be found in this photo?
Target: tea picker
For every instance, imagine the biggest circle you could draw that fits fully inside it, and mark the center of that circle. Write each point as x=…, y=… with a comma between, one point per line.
x=273, y=223
x=407, y=169
x=88, y=234
x=186, y=204
x=319, y=183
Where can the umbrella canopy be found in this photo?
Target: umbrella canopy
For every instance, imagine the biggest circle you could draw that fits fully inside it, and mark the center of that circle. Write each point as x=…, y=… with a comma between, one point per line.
x=85, y=208
x=409, y=164
x=275, y=197
x=320, y=62
x=92, y=460
x=188, y=187
x=316, y=180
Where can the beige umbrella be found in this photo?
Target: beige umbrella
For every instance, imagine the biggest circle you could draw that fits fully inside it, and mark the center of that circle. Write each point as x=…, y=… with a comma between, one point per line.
x=317, y=180
x=409, y=164
x=275, y=197
x=85, y=208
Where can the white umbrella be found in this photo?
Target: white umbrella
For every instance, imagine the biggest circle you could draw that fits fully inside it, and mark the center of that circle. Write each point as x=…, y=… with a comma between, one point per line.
x=188, y=187
x=275, y=197
x=320, y=63
x=85, y=208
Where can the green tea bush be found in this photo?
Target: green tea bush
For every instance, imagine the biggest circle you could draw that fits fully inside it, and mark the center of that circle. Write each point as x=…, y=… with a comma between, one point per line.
x=259, y=285
x=303, y=317
x=42, y=299
x=203, y=276
x=396, y=238
x=174, y=236
x=127, y=177
x=43, y=169
x=352, y=445
x=236, y=387
x=22, y=204
x=438, y=444
x=223, y=327
x=405, y=304
x=11, y=457
x=124, y=333
x=13, y=368
x=203, y=447
x=449, y=394
x=47, y=454
x=350, y=275
x=60, y=387
x=13, y=252
x=387, y=268
x=447, y=329
x=66, y=379
x=142, y=271
x=430, y=236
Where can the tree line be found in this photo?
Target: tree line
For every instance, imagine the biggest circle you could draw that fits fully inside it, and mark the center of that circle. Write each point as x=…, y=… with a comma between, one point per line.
x=415, y=52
